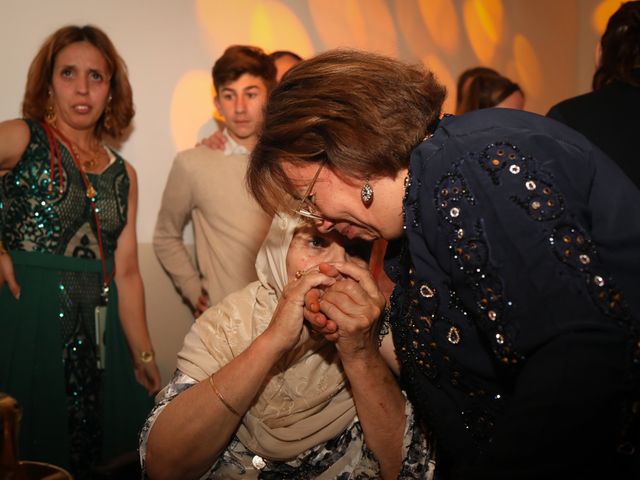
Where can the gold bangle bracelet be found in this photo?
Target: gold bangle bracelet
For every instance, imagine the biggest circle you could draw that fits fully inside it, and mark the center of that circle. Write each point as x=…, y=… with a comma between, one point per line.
x=146, y=356
x=224, y=402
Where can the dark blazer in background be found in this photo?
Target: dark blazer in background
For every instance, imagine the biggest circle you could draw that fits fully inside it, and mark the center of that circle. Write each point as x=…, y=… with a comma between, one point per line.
x=610, y=118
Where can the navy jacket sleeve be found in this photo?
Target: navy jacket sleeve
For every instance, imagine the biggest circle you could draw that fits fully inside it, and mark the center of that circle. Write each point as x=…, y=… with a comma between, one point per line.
x=528, y=237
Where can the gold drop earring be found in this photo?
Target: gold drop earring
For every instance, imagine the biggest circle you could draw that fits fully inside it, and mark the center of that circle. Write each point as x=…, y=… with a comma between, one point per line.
x=50, y=113
x=107, y=114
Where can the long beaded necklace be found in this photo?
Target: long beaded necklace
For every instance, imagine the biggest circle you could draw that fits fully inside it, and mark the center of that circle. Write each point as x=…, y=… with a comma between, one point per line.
x=56, y=159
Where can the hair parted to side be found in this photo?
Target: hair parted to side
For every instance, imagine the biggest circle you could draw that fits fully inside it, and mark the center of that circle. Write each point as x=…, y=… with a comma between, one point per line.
x=620, y=48
x=240, y=59
x=486, y=90
x=465, y=78
x=34, y=103
x=359, y=113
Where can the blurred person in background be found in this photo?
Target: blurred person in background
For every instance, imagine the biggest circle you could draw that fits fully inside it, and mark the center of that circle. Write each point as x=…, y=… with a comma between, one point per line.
x=608, y=116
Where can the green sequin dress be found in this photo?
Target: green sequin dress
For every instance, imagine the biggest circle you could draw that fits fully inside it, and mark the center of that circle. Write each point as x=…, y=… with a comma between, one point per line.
x=74, y=415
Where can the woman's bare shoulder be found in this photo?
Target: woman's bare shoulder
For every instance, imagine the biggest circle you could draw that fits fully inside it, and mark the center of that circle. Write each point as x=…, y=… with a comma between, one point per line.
x=14, y=138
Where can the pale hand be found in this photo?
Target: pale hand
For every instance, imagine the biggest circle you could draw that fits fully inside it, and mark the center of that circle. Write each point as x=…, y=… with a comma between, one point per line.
x=202, y=306
x=7, y=275
x=148, y=375
x=215, y=141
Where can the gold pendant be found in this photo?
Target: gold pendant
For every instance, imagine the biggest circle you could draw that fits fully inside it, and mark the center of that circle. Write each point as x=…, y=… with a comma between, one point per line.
x=91, y=192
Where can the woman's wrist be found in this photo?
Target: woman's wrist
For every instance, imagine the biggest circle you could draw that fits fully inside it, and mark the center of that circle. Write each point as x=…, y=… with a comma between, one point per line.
x=269, y=345
x=360, y=358
x=146, y=356
x=143, y=356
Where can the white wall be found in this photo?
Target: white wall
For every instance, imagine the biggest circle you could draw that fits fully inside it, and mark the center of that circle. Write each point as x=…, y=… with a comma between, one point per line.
x=170, y=45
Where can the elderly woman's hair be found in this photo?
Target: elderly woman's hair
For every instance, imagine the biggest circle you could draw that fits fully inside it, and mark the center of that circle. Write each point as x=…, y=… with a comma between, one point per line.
x=620, y=48
x=36, y=95
x=358, y=113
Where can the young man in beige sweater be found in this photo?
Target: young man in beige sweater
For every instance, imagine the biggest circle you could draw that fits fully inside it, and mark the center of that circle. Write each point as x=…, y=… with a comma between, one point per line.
x=207, y=187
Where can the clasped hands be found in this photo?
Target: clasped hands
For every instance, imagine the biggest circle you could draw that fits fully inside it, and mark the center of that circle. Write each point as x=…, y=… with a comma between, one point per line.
x=338, y=300
x=348, y=310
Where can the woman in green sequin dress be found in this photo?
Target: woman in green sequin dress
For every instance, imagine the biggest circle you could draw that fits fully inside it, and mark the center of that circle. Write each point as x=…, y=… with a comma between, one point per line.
x=67, y=227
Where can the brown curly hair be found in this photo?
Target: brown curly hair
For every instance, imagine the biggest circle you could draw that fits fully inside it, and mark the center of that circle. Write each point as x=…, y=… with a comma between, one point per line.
x=34, y=103
x=620, y=48
x=359, y=113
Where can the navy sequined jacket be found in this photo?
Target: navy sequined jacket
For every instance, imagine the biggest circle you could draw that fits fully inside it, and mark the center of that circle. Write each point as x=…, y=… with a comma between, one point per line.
x=517, y=307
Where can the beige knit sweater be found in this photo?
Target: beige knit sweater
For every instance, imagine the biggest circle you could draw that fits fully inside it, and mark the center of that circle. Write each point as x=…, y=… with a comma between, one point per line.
x=207, y=187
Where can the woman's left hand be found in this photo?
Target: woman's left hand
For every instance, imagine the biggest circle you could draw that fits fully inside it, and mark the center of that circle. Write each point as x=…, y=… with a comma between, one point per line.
x=148, y=375
x=7, y=275
x=348, y=311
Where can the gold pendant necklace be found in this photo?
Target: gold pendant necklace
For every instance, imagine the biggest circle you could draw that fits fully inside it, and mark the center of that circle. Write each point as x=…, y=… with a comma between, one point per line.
x=92, y=162
x=94, y=156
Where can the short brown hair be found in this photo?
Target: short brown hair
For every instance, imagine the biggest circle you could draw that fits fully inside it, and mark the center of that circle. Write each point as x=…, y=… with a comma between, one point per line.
x=39, y=78
x=359, y=113
x=240, y=59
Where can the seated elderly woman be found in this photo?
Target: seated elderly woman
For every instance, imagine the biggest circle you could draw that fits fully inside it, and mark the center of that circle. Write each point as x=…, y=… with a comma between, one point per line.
x=258, y=394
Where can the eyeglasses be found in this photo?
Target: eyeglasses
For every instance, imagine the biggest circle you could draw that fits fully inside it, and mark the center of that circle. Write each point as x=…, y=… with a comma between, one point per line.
x=306, y=208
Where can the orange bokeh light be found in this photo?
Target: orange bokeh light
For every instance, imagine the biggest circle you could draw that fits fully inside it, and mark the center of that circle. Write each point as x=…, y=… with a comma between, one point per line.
x=602, y=13
x=444, y=76
x=351, y=23
x=191, y=106
x=527, y=65
x=412, y=28
x=268, y=24
x=483, y=21
x=442, y=22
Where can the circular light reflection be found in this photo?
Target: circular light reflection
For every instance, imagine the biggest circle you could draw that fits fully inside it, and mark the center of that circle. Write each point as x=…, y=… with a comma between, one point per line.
x=412, y=27
x=268, y=24
x=275, y=27
x=527, y=65
x=602, y=13
x=350, y=23
x=483, y=21
x=444, y=76
x=191, y=107
x=442, y=22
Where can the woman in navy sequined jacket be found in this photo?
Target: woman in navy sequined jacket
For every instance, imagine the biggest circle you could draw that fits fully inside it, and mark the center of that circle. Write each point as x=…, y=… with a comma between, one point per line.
x=515, y=249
